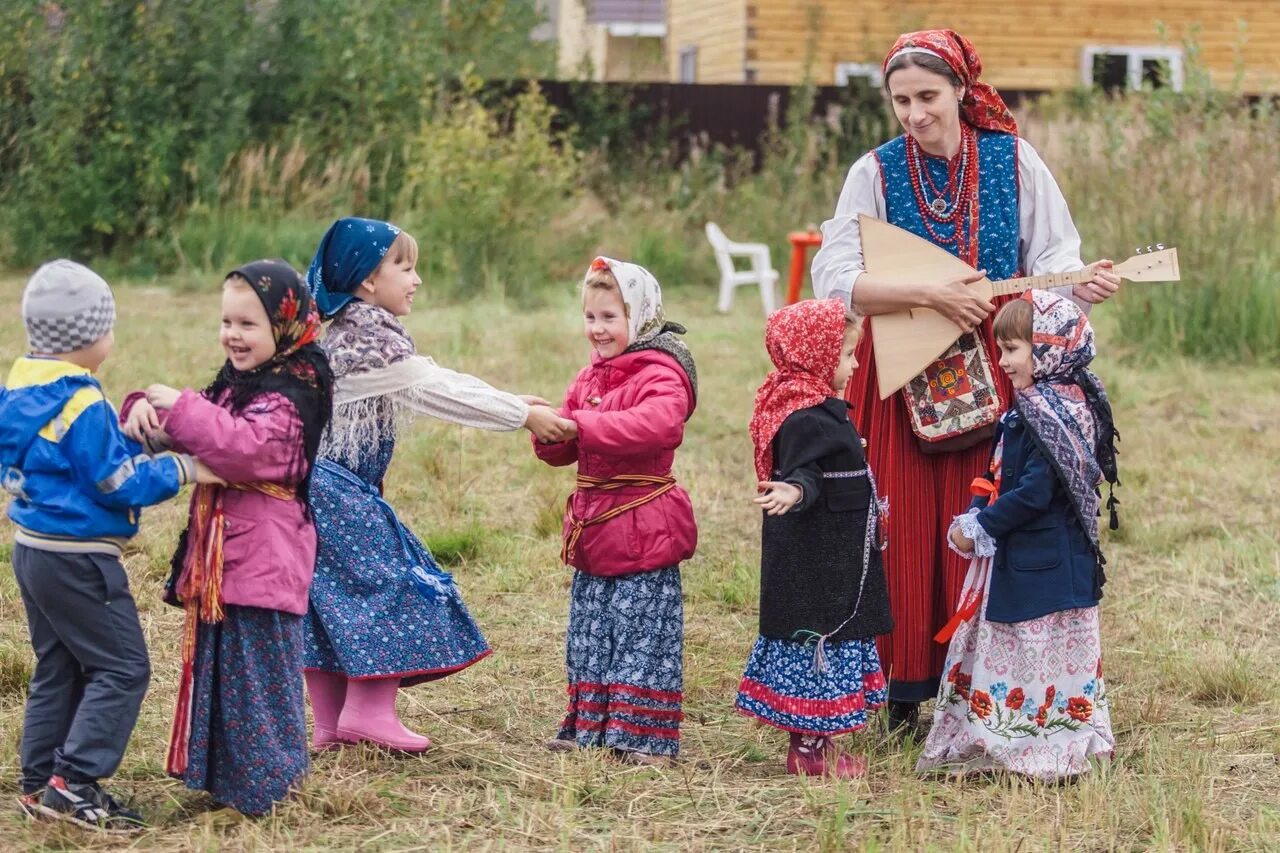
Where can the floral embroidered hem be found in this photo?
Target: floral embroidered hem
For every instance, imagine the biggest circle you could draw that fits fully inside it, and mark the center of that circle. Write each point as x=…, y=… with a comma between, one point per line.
x=1026, y=697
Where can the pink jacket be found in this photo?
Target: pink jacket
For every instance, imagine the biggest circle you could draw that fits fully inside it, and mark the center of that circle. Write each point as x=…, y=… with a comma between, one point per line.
x=269, y=553
x=630, y=411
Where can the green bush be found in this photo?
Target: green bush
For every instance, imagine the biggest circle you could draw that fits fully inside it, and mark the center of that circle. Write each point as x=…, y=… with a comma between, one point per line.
x=1196, y=170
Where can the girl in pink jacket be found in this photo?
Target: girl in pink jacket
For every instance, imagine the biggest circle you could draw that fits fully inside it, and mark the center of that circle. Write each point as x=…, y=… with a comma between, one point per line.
x=243, y=566
x=628, y=525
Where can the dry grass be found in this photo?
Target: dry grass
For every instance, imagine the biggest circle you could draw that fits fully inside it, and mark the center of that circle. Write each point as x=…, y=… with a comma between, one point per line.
x=1191, y=625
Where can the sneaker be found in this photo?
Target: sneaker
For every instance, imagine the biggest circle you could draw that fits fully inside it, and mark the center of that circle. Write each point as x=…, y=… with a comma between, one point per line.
x=88, y=806
x=30, y=803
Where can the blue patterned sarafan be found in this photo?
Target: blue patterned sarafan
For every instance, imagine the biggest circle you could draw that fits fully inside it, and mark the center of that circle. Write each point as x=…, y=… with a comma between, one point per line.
x=997, y=198
x=781, y=687
x=368, y=618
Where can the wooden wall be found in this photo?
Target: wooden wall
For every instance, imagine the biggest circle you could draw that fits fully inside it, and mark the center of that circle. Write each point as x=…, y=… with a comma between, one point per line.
x=719, y=30
x=1037, y=47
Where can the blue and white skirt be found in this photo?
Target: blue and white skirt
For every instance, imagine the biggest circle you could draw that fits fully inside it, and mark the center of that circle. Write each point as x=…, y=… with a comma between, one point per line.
x=625, y=658
x=781, y=687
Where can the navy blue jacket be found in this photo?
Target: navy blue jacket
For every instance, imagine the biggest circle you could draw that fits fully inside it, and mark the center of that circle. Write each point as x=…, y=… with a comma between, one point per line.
x=1044, y=562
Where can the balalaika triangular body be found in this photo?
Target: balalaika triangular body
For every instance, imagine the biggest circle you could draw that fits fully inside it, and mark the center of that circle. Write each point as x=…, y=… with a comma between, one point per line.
x=905, y=342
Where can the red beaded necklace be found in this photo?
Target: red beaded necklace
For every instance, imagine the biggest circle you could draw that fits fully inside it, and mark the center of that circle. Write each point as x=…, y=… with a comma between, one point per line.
x=961, y=191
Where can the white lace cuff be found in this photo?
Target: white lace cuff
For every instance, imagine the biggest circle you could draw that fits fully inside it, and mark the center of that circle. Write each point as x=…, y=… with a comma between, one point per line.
x=983, y=544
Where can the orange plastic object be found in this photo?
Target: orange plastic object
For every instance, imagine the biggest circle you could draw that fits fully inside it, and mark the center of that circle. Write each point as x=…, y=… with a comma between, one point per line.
x=801, y=241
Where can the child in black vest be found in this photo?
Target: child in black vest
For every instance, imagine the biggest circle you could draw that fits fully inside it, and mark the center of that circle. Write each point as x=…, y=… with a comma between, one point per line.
x=814, y=670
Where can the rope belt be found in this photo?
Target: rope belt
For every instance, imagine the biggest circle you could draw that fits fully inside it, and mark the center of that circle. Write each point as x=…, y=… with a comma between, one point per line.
x=661, y=485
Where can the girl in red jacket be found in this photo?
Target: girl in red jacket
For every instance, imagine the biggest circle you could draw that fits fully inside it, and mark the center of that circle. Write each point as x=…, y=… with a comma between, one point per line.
x=628, y=525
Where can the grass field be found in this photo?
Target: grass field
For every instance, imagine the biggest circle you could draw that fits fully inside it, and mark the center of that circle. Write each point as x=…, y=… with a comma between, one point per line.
x=1191, y=626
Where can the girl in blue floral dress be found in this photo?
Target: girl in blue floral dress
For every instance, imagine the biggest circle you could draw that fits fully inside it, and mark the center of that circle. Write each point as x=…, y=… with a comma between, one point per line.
x=383, y=615
x=814, y=670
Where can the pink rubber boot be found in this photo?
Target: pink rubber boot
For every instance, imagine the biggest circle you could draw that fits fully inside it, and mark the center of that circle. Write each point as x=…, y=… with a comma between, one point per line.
x=818, y=756
x=328, y=692
x=369, y=715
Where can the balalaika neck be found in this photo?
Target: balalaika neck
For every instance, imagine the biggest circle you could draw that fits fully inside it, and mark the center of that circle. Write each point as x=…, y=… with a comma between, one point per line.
x=1040, y=282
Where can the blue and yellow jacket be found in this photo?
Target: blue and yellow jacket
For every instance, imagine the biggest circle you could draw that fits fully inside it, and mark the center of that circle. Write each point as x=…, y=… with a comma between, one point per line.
x=77, y=481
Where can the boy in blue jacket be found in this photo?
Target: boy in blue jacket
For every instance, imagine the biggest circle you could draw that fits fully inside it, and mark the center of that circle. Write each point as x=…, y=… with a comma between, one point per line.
x=77, y=484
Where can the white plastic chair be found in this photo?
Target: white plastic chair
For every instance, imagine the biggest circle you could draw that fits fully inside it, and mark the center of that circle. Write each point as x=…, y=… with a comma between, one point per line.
x=761, y=273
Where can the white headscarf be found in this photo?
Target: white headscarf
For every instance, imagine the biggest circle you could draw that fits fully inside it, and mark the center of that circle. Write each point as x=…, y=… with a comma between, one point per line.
x=641, y=295
x=647, y=326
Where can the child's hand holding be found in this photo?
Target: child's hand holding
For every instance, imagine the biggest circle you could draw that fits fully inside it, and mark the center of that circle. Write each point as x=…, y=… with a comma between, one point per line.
x=548, y=426
x=964, y=543
x=162, y=396
x=777, y=497
x=142, y=421
x=206, y=477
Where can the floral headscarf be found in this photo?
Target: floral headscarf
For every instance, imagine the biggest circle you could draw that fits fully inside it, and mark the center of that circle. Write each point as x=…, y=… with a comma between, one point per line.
x=1067, y=408
x=982, y=105
x=647, y=324
x=804, y=341
x=299, y=370
x=348, y=253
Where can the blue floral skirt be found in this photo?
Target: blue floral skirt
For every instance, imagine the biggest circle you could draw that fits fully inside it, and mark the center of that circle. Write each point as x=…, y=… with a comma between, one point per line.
x=248, y=742
x=782, y=689
x=367, y=617
x=624, y=652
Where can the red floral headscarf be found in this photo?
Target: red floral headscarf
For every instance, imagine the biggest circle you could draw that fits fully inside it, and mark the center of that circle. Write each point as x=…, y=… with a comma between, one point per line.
x=982, y=105
x=804, y=342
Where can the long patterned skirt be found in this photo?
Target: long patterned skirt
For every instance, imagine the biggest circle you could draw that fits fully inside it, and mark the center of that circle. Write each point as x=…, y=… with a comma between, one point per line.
x=782, y=688
x=367, y=618
x=625, y=658
x=1025, y=697
x=248, y=742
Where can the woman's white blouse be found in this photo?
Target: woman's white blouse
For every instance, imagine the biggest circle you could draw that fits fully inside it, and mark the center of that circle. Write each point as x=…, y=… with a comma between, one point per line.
x=1048, y=241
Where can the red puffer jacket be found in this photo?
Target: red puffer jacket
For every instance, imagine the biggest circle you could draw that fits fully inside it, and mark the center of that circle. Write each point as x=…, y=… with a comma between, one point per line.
x=630, y=411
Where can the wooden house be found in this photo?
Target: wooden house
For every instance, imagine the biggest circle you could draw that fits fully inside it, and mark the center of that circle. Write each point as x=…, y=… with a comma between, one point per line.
x=614, y=40
x=1025, y=44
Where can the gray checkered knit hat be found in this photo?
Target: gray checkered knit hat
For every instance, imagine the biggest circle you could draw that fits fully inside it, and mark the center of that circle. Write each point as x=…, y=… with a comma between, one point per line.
x=66, y=307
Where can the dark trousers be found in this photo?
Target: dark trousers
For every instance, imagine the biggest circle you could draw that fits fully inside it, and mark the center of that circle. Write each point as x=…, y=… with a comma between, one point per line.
x=91, y=665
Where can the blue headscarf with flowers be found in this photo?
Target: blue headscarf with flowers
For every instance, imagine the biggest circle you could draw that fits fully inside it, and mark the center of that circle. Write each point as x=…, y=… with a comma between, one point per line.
x=348, y=254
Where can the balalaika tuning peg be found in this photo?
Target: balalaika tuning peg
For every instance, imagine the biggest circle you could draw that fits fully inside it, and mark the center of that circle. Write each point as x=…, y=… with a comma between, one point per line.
x=1138, y=251
x=1160, y=246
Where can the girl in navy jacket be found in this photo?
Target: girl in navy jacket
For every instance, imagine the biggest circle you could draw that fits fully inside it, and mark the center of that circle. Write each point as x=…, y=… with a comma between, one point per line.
x=1023, y=690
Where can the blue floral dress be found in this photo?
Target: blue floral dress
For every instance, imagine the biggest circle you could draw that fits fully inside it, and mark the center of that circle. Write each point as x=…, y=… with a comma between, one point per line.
x=369, y=615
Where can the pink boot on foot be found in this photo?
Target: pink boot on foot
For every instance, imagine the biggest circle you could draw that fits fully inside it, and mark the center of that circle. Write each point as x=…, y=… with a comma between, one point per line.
x=369, y=715
x=328, y=692
x=817, y=756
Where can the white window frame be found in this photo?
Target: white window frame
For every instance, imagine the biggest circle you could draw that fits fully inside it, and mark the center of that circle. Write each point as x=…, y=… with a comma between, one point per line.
x=687, y=69
x=1135, y=55
x=846, y=71
x=631, y=29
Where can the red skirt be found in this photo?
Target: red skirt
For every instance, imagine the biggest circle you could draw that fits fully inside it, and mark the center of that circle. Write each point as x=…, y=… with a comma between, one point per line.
x=925, y=492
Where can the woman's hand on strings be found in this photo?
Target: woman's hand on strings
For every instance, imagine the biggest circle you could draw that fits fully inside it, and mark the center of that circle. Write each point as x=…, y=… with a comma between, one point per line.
x=777, y=498
x=960, y=304
x=1101, y=287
